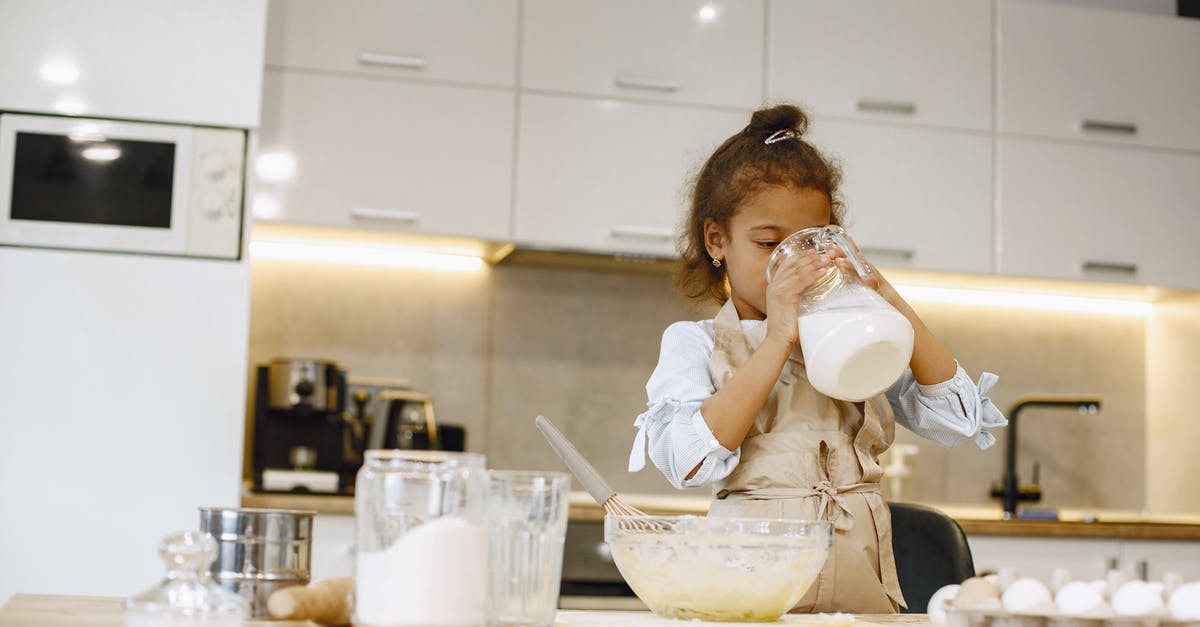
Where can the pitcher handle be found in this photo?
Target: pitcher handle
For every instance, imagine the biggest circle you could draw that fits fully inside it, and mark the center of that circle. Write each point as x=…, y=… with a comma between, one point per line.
x=843, y=241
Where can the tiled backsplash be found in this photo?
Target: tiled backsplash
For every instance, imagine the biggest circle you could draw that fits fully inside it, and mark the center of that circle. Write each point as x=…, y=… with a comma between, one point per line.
x=496, y=347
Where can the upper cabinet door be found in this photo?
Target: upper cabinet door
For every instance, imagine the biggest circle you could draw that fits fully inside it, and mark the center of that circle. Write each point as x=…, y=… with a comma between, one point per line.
x=470, y=41
x=1099, y=213
x=705, y=52
x=914, y=198
x=1100, y=75
x=927, y=62
x=341, y=151
x=607, y=176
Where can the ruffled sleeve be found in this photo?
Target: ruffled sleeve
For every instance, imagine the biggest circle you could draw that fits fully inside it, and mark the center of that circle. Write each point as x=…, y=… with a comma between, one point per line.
x=950, y=413
x=672, y=429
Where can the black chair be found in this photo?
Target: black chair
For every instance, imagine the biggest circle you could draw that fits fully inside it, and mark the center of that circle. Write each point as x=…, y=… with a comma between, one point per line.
x=931, y=552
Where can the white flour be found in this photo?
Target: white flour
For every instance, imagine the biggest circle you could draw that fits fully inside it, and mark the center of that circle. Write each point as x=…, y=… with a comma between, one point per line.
x=855, y=353
x=434, y=575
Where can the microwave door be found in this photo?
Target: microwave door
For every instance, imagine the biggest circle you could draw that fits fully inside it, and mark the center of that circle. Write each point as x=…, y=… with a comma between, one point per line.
x=93, y=185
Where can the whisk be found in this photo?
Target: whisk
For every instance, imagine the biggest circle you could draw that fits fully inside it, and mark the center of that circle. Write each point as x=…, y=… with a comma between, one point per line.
x=605, y=496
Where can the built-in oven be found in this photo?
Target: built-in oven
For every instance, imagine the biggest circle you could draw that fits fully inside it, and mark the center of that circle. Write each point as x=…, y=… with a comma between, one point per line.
x=590, y=579
x=121, y=185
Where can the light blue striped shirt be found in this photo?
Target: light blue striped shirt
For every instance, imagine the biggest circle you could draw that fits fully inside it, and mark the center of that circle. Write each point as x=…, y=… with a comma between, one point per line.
x=950, y=413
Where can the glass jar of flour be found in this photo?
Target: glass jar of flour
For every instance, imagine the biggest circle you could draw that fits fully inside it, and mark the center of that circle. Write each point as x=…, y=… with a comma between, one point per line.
x=421, y=555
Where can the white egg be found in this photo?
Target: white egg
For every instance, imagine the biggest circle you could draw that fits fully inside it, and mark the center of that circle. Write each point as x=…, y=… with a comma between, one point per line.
x=1137, y=598
x=1185, y=602
x=937, y=603
x=1078, y=597
x=977, y=593
x=1026, y=595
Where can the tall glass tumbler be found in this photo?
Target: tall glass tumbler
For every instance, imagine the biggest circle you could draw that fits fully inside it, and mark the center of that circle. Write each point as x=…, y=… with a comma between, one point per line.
x=422, y=544
x=527, y=522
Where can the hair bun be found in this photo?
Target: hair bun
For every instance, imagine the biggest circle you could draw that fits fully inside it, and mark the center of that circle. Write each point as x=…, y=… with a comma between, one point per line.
x=783, y=117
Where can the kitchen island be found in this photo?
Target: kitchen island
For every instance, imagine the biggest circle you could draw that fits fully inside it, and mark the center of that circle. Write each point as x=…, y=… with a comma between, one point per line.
x=36, y=610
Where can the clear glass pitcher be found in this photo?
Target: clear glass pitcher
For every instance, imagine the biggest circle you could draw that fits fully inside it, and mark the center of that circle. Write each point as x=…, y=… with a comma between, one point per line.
x=855, y=344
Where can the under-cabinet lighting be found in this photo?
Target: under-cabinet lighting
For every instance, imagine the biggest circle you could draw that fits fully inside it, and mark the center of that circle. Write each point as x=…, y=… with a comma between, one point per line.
x=1036, y=301
x=362, y=254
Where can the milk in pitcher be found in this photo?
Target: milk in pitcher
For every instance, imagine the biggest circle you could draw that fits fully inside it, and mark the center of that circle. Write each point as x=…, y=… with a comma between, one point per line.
x=855, y=343
x=855, y=353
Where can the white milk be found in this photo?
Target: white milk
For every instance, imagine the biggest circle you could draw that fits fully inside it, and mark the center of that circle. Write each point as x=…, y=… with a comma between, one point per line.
x=856, y=352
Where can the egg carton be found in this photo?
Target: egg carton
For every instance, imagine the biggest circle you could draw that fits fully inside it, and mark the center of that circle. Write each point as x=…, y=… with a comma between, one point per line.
x=958, y=617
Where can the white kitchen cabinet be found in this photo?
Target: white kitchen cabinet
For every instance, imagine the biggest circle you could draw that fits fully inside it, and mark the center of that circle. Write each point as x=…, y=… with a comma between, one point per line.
x=471, y=41
x=1076, y=211
x=924, y=62
x=706, y=52
x=385, y=154
x=915, y=198
x=1090, y=74
x=1085, y=558
x=193, y=61
x=333, y=543
x=1151, y=559
x=608, y=176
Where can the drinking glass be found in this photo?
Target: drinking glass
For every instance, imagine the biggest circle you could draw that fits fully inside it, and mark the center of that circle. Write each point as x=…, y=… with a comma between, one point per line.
x=527, y=522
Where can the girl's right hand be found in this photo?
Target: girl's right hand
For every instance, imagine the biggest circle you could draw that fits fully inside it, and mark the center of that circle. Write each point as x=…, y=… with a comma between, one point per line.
x=789, y=279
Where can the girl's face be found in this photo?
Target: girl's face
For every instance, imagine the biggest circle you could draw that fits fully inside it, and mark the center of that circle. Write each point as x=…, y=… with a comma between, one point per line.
x=755, y=228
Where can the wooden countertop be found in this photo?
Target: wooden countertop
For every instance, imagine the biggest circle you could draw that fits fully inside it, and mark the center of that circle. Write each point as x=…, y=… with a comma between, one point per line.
x=975, y=520
x=49, y=610
x=42, y=610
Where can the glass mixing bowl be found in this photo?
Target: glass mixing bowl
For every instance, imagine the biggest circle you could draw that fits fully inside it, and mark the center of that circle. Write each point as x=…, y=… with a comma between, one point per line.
x=718, y=569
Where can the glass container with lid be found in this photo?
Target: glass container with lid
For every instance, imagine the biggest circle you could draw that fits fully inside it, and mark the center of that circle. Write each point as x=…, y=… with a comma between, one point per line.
x=186, y=597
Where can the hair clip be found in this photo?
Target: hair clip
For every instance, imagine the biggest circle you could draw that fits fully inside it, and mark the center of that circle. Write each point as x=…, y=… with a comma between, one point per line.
x=781, y=135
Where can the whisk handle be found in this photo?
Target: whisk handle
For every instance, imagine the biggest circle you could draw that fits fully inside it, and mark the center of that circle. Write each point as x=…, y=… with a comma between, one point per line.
x=580, y=467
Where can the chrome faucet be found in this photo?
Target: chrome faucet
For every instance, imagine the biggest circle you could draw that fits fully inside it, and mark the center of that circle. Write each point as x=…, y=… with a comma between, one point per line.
x=1010, y=491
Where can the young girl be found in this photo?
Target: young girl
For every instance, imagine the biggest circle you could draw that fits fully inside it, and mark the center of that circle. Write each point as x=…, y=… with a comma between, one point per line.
x=729, y=400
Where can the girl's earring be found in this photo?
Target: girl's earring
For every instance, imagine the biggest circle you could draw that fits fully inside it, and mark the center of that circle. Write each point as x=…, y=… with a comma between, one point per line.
x=716, y=263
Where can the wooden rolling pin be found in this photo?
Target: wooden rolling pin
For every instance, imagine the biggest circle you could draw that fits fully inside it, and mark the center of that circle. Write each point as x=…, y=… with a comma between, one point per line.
x=325, y=602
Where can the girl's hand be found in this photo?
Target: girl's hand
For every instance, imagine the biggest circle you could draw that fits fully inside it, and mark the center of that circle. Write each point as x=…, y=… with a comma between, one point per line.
x=877, y=281
x=788, y=280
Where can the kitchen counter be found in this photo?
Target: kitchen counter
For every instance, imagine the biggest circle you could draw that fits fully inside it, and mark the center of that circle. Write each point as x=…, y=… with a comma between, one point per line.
x=37, y=610
x=975, y=520
x=47, y=610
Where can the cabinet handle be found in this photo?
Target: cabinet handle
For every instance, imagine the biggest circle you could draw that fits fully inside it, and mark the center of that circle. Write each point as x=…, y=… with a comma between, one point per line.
x=391, y=60
x=906, y=254
x=1130, y=269
x=894, y=107
x=1143, y=569
x=1101, y=126
x=642, y=232
x=391, y=215
x=647, y=82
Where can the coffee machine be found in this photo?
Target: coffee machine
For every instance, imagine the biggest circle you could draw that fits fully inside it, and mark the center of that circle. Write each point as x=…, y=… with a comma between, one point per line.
x=300, y=427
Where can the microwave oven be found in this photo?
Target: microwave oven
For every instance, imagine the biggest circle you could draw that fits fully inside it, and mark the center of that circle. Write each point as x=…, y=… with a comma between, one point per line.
x=121, y=186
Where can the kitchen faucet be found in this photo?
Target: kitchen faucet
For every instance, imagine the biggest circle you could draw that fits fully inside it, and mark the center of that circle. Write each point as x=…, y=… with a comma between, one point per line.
x=1010, y=490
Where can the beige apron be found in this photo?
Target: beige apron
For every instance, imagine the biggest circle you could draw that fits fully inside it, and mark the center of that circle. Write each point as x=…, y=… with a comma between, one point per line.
x=809, y=456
